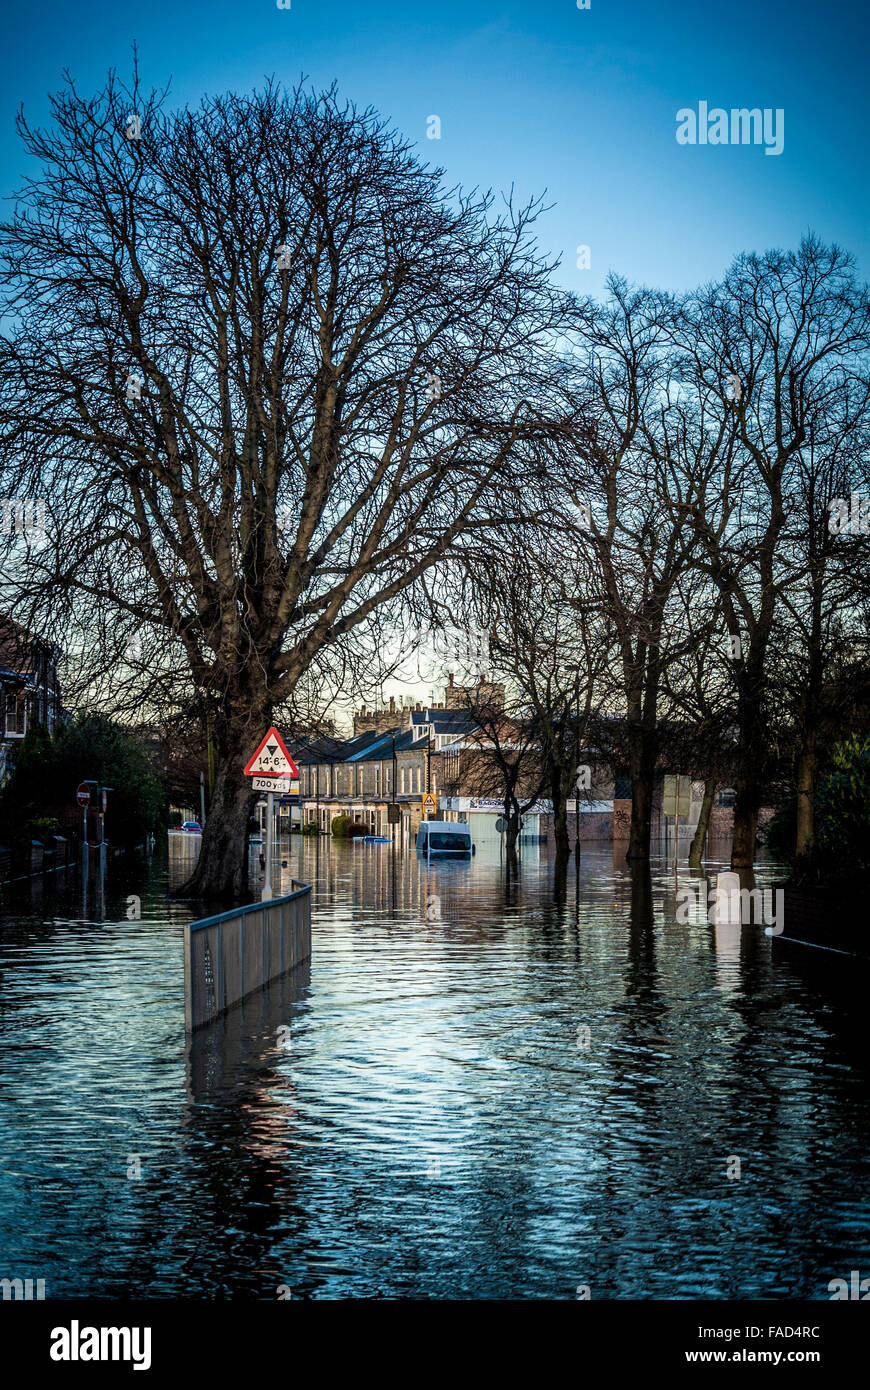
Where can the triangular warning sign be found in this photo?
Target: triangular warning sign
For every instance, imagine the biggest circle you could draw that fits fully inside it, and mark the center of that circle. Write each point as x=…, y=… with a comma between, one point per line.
x=272, y=759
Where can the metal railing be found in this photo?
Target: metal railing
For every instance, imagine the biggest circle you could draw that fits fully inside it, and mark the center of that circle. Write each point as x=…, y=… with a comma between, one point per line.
x=229, y=956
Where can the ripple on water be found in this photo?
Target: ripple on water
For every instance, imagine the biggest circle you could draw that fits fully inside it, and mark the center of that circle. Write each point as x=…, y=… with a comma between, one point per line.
x=523, y=1096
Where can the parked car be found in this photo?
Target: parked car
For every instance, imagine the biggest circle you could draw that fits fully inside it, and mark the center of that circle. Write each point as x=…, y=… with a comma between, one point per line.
x=192, y=827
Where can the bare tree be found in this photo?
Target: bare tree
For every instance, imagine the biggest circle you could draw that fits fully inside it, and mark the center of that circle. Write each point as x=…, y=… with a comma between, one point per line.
x=771, y=351
x=636, y=476
x=267, y=371
x=501, y=757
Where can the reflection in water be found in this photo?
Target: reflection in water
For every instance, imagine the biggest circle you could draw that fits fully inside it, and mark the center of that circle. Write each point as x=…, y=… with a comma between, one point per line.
x=480, y=1089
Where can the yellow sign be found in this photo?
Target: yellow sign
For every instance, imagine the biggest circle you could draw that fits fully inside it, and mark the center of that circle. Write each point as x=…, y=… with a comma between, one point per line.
x=430, y=803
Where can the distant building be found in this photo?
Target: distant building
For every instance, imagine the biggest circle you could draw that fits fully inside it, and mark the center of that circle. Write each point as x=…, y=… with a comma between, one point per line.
x=29, y=687
x=393, y=759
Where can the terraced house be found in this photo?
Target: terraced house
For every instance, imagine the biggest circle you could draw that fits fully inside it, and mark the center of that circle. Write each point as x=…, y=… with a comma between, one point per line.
x=379, y=776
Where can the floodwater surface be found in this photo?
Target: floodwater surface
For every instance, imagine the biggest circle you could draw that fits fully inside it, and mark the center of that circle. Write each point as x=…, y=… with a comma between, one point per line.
x=474, y=1091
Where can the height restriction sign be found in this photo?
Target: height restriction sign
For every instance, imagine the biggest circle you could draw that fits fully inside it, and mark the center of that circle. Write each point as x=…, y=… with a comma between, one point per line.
x=272, y=759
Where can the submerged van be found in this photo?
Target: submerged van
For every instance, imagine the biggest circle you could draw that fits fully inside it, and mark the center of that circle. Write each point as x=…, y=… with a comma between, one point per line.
x=444, y=839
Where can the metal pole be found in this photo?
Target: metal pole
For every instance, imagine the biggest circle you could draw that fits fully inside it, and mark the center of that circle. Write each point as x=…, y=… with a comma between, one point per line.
x=577, y=787
x=267, y=886
x=202, y=799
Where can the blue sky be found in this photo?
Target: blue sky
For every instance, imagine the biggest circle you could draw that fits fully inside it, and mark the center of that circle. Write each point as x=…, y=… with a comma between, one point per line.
x=578, y=103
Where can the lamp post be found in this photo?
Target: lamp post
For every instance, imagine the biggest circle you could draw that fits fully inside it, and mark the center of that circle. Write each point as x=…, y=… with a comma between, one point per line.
x=576, y=670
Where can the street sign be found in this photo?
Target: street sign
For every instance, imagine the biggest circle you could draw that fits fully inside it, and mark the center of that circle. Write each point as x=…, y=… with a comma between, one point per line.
x=272, y=760
x=430, y=803
x=394, y=813
x=284, y=786
x=676, y=797
x=83, y=794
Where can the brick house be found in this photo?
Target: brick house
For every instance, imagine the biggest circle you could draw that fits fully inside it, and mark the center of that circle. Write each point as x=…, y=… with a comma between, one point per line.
x=29, y=688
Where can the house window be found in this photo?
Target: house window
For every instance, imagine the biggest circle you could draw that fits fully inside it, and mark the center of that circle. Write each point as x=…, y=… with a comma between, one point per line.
x=402, y=780
x=16, y=715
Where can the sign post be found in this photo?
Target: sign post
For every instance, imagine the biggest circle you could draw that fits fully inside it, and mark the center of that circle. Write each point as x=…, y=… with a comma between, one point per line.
x=676, y=803
x=104, y=801
x=83, y=797
x=271, y=770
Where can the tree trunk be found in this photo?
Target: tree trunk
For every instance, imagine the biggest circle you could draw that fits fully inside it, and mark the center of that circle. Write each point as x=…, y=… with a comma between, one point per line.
x=806, y=786
x=746, y=803
x=560, y=820
x=745, y=824
x=642, y=759
x=697, y=847
x=221, y=872
x=750, y=761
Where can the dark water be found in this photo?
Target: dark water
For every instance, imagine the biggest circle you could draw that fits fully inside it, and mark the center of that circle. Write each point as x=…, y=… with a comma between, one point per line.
x=420, y=1114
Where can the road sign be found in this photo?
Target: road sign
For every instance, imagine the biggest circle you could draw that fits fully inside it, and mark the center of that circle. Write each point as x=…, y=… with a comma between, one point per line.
x=83, y=794
x=272, y=760
x=284, y=786
x=676, y=797
x=394, y=813
x=430, y=803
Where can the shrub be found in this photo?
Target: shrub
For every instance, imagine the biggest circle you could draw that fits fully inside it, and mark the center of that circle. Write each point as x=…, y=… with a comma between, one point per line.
x=781, y=831
x=341, y=827
x=311, y=828
x=43, y=826
x=842, y=811
x=48, y=770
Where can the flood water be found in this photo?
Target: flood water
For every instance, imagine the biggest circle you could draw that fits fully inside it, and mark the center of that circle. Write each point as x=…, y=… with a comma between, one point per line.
x=423, y=1112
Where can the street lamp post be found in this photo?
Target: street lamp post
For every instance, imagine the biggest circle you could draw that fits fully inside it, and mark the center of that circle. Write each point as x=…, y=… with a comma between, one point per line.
x=576, y=671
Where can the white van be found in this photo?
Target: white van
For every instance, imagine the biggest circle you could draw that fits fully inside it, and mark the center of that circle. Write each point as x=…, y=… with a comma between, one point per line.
x=444, y=839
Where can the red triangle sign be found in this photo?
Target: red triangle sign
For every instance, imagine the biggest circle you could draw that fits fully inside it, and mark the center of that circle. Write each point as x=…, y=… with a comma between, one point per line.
x=272, y=759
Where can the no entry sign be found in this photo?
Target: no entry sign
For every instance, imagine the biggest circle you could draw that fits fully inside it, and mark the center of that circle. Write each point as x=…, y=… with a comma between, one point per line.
x=83, y=794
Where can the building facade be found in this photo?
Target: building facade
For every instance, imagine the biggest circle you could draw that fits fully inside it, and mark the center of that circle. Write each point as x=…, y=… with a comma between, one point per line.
x=29, y=688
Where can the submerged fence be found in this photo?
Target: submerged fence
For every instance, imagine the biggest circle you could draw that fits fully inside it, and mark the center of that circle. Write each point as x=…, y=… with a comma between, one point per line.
x=237, y=952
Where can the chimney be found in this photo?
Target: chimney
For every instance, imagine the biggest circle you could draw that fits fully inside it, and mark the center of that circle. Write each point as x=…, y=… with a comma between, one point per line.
x=450, y=677
x=392, y=704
